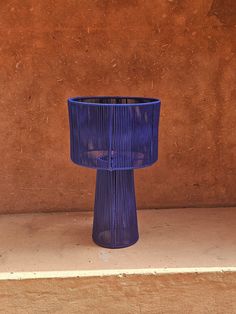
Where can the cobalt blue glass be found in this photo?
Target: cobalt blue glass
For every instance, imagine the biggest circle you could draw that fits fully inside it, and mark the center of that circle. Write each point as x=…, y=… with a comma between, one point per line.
x=114, y=135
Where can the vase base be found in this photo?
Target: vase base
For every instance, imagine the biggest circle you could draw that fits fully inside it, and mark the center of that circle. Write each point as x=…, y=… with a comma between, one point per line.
x=112, y=245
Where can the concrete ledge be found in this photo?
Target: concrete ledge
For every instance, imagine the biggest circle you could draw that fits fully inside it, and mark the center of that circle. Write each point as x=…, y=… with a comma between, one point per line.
x=184, y=239
x=111, y=272
x=184, y=262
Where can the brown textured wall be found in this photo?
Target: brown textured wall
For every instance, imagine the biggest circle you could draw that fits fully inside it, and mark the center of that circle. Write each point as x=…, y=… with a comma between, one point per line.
x=202, y=293
x=181, y=51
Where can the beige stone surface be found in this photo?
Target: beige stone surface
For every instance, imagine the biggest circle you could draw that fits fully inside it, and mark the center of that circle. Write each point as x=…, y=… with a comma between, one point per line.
x=152, y=294
x=192, y=247
x=180, y=51
x=177, y=238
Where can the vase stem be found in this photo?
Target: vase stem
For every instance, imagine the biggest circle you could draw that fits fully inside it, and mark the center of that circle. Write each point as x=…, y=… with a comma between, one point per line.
x=115, y=218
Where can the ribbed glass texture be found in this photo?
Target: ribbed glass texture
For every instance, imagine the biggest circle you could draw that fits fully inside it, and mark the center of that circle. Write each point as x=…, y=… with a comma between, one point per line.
x=115, y=219
x=114, y=133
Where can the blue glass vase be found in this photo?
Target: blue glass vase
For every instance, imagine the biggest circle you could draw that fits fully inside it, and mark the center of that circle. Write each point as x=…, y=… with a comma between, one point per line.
x=114, y=135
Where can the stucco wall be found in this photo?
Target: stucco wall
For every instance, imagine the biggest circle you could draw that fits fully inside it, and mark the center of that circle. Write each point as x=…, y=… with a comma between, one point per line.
x=211, y=293
x=180, y=51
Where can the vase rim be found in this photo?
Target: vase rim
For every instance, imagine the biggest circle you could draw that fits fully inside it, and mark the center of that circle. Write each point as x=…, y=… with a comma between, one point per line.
x=108, y=100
